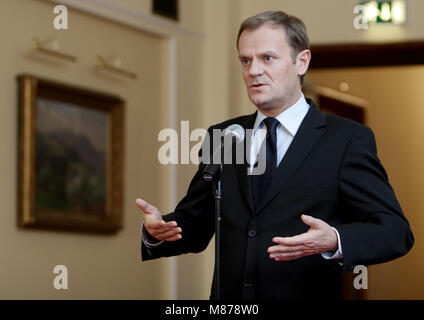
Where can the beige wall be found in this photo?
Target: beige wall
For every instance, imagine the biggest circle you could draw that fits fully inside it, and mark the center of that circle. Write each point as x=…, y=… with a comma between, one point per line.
x=209, y=89
x=100, y=267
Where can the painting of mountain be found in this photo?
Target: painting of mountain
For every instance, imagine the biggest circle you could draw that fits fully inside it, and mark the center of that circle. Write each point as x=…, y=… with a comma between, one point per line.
x=70, y=157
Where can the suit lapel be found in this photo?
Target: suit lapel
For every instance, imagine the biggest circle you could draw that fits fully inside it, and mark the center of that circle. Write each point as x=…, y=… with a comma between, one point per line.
x=242, y=169
x=311, y=129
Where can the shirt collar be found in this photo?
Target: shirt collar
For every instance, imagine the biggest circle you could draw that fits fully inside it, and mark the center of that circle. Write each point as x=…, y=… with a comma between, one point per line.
x=290, y=119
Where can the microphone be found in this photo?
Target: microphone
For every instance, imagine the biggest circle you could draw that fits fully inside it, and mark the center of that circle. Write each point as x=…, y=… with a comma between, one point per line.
x=236, y=131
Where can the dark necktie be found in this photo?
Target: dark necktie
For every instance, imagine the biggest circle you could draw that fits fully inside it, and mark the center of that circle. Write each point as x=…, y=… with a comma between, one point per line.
x=261, y=182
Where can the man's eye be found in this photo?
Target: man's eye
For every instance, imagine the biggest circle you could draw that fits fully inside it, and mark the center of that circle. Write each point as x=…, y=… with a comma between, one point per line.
x=245, y=61
x=268, y=58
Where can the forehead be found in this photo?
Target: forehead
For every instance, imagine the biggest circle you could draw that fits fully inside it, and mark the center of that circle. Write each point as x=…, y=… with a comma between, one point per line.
x=266, y=37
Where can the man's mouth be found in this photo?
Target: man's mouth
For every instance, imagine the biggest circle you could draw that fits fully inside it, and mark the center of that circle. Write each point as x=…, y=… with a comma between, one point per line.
x=257, y=85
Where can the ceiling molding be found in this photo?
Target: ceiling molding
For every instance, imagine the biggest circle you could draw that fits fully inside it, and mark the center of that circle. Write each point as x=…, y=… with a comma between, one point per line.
x=117, y=13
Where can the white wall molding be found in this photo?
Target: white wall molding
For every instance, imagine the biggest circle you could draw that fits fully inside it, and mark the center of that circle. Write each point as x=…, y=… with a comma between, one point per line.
x=139, y=20
x=172, y=182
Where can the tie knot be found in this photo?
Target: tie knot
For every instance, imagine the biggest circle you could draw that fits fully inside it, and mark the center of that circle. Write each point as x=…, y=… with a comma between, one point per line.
x=271, y=125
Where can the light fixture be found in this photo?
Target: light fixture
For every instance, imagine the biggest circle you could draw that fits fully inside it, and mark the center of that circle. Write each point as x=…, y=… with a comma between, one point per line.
x=112, y=63
x=49, y=46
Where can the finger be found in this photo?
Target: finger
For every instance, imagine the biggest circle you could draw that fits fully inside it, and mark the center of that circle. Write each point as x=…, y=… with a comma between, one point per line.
x=292, y=241
x=154, y=224
x=160, y=226
x=169, y=224
x=169, y=234
x=291, y=256
x=169, y=231
x=285, y=249
x=174, y=238
x=146, y=207
x=299, y=251
x=312, y=222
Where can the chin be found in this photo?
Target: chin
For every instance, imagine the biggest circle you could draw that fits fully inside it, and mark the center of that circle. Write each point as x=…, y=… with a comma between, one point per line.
x=261, y=104
x=257, y=101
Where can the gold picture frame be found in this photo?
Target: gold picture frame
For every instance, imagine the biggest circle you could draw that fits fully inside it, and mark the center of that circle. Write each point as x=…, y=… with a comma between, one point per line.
x=70, y=157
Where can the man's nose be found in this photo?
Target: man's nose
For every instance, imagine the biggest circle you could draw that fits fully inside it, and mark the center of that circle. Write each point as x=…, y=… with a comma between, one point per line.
x=256, y=68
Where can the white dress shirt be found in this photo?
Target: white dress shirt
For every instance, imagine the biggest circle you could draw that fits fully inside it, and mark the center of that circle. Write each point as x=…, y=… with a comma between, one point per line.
x=289, y=123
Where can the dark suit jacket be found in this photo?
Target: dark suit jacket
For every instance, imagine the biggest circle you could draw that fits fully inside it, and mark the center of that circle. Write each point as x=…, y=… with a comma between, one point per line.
x=331, y=171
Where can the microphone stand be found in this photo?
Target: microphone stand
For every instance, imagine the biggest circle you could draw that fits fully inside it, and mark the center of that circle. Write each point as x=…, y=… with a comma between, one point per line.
x=218, y=202
x=213, y=172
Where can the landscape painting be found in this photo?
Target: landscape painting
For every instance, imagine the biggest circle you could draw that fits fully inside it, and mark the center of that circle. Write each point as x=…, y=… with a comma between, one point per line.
x=70, y=157
x=70, y=149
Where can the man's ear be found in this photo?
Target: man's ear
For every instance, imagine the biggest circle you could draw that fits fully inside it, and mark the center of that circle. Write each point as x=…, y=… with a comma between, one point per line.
x=302, y=61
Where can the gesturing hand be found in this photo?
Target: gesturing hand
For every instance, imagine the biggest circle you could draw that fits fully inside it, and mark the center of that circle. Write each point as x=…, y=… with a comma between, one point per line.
x=318, y=239
x=155, y=225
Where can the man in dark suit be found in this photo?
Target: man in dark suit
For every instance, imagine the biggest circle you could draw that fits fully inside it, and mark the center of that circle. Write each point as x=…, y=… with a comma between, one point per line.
x=323, y=205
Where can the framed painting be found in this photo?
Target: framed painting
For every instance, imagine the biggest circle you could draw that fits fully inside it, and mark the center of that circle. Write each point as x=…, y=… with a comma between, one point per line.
x=70, y=157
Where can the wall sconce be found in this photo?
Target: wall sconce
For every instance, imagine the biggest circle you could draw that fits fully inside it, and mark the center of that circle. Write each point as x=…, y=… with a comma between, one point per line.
x=50, y=46
x=113, y=64
x=384, y=12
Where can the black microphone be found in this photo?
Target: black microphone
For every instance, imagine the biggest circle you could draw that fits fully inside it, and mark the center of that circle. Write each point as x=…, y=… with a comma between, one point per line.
x=236, y=131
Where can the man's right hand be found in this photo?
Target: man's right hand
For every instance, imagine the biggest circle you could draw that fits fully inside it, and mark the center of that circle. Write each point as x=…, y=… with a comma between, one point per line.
x=156, y=226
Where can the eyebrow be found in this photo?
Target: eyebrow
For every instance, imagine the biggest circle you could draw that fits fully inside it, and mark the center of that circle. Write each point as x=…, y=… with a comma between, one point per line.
x=242, y=56
x=269, y=53
x=266, y=53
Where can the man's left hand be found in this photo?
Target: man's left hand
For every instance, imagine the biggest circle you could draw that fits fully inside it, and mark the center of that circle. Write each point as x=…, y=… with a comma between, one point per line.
x=318, y=239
